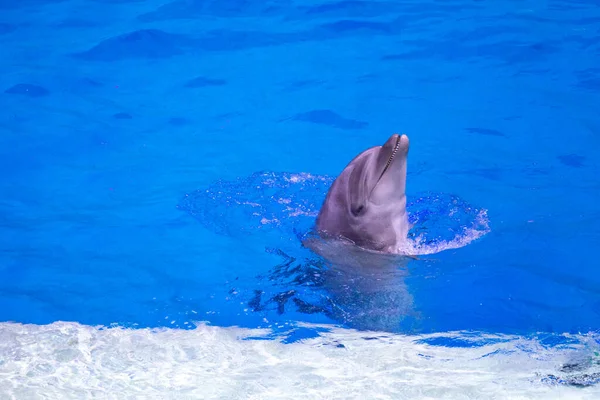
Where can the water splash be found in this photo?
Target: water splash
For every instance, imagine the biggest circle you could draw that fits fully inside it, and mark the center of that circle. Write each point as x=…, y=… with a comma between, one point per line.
x=290, y=202
x=443, y=222
x=257, y=203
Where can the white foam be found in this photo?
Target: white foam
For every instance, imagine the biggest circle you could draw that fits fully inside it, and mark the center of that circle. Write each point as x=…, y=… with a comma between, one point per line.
x=69, y=360
x=479, y=228
x=302, y=177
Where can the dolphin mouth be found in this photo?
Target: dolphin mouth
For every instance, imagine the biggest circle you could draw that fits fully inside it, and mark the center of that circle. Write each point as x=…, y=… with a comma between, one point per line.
x=389, y=161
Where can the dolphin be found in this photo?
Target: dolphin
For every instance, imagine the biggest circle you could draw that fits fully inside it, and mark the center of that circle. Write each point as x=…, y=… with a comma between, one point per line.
x=361, y=235
x=366, y=204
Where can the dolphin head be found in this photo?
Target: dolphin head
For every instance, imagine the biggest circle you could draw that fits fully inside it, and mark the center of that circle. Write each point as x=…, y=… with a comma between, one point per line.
x=367, y=202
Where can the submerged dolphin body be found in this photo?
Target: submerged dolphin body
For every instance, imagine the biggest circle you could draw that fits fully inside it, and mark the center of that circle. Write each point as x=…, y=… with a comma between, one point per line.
x=365, y=290
x=366, y=204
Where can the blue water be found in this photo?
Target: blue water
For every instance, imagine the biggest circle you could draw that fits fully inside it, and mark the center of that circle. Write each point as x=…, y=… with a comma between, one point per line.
x=117, y=116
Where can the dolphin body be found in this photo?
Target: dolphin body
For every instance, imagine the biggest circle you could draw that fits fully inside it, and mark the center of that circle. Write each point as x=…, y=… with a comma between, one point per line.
x=361, y=235
x=366, y=290
x=366, y=204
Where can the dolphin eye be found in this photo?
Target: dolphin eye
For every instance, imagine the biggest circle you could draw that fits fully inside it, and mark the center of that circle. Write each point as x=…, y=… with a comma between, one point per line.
x=358, y=210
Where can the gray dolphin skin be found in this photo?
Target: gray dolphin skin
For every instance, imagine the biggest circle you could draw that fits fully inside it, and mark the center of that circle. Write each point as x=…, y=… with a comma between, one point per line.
x=366, y=204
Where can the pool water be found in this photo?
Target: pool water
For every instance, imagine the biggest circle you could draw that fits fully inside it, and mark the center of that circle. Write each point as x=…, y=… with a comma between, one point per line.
x=162, y=161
